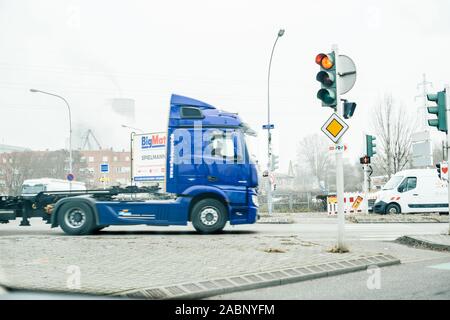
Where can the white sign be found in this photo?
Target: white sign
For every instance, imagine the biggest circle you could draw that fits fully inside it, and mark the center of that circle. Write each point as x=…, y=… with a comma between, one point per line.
x=422, y=154
x=334, y=128
x=347, y=74
x=149, y=157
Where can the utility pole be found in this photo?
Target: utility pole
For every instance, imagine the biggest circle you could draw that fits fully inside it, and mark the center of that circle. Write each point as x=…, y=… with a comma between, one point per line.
x=70, y=131
x=269, y=134
x=423, y=114
x=447, y=107
x=337, y=76
x=339, y=163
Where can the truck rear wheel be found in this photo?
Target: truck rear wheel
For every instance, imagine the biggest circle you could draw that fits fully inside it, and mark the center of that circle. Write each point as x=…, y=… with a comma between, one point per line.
x=76, y=219
x=209, y=216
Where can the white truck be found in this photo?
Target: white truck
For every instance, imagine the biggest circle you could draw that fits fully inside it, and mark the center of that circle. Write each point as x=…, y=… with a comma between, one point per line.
x=32, y=187
x=413, y=191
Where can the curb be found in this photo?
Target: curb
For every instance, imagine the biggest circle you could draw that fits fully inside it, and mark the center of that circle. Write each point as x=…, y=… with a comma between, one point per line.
x=208, y=288
x=368, y=221
x=411, y=241
x=263, y=220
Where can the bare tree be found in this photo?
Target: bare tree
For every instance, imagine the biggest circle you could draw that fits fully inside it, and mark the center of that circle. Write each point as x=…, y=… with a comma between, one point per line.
x=19, y=166
x=393, y=126
x=314, y=154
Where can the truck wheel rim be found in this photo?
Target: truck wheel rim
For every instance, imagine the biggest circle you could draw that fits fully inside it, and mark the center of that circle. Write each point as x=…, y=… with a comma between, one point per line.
x=75, y=218
x=392, y=210
x=209, y=216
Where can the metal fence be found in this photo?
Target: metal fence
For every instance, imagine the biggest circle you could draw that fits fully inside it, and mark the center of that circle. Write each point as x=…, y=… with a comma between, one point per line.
x=293, y=202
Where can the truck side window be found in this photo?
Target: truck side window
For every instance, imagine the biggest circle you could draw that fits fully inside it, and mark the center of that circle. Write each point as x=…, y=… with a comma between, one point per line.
x=223, y=146
x=408, y=184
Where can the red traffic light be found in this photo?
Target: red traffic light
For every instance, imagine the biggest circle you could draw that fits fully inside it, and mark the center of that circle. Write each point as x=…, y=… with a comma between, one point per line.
x=364, y=160
x=319, y=58
x=325, y=61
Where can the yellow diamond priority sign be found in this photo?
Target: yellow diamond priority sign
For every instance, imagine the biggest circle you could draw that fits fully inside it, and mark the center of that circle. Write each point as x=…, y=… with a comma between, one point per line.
x=334, y=128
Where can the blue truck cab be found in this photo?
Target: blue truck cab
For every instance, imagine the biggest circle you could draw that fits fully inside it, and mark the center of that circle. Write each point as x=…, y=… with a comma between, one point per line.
x=209, y=172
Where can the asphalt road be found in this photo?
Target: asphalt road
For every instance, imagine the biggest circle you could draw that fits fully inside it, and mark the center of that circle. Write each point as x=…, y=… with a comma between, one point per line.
x=428, y=279
x=312, y=229
x=413, y=279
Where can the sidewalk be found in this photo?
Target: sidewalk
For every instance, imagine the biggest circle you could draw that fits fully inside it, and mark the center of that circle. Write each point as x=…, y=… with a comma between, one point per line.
x=159, y=264
x=282, y=218
x=434, y=242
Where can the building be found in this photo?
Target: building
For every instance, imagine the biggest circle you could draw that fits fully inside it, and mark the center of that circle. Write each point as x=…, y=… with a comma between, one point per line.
x=18, y=164
x=118, y=164
x=4, y=148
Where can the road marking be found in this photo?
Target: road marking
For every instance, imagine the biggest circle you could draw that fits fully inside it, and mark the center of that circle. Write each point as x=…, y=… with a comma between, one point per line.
x=442, y=266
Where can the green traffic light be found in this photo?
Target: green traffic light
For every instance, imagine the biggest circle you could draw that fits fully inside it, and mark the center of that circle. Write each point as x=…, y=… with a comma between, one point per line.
x=370, y=145
x=440, y=110
x=327, y=96
x=433, y=123
x=433, y=110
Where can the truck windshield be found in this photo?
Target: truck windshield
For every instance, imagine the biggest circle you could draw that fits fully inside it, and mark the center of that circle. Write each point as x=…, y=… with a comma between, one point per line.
x=34, y=189
x=251, y=144
x=392, y=183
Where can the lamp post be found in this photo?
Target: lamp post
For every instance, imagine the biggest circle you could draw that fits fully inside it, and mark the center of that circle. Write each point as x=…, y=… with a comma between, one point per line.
x=132, y=128
x=132, y=134
x=268, y=127
x=70, y=126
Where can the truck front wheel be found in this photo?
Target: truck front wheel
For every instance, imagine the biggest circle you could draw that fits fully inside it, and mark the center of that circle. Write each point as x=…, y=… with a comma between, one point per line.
x=76, y=219
x=393, y=208
x=209, y=216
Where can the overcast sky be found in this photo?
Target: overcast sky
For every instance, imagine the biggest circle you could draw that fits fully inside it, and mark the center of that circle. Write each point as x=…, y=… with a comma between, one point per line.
x=215, y=51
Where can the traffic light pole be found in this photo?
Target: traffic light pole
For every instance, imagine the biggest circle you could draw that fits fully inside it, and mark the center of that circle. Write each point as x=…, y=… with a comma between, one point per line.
x=447, y=107
x=339, y=162
x=366, y=186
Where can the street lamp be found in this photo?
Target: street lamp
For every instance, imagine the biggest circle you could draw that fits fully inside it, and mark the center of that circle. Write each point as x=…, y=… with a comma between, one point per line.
x=268, y=127
x=132, y=128
x=70, y=126
x=131, y=149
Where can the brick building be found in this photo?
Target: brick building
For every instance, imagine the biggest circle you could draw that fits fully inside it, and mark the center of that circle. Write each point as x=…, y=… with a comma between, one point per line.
x=119, y=167
x=19, y=164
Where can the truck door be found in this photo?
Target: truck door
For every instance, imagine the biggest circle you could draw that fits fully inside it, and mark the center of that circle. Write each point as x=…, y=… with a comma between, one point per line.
x=226, y=165
x=411, y=198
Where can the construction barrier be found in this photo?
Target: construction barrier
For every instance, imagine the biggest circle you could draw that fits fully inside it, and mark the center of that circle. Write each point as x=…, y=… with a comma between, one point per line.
x=354, y=202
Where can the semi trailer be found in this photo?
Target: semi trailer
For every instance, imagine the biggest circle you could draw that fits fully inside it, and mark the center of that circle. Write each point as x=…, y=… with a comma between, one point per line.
x=209, y=179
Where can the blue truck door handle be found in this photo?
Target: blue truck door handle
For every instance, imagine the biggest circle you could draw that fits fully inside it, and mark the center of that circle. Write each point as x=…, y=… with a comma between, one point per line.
x=212, y=178
x=415, y=194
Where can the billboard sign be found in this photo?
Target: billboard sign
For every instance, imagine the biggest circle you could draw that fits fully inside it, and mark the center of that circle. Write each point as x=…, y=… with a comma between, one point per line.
x=149, y=157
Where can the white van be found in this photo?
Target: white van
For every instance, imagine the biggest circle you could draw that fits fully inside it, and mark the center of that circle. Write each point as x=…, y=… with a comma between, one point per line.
x=413, y=191
x=32, y=187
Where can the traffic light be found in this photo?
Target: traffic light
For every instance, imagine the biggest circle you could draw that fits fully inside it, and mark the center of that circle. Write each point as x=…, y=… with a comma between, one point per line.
x=364, y=160
x=274, y=163
x=439, y=109
x=349, y=109
x=438, y=169
x=442, y=169
x=370, y=145
x=327, y=77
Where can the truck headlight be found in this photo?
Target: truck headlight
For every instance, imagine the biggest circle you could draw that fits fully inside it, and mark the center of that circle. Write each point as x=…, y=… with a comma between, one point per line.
x=255, y=200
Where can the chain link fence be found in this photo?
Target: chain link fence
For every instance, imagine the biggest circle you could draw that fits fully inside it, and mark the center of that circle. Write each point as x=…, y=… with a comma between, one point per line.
x=293, y=202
